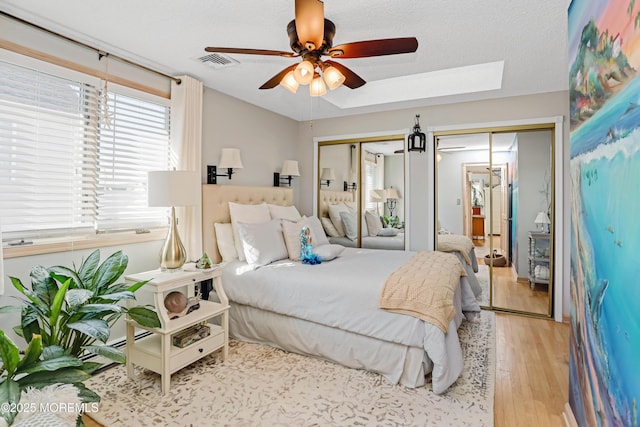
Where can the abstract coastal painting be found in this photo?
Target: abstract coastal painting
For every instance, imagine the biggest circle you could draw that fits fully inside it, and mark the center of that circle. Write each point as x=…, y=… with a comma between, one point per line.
x=604, y=87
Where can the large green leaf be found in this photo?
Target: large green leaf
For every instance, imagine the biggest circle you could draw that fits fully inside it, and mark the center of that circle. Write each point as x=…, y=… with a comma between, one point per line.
x=9, y=354
x=30, y=322
x=91, y=367
x=107, y=351
x=86, y=395
x=9, y=393
x=89, y=267
x=76, y=297
x=137, y=286
x=33, y=297
x=56, y=307
x=117, y=296
x=144, y=316
x=64, y=361
x=31, y=354
x=101, y=308
x=110, y=270
x=95, y=328
x=52, y=351
x=43, y=284
x=64, y=376
x=10, y=309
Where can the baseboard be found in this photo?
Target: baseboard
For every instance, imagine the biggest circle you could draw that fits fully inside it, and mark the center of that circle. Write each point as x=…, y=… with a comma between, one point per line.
x=569, y=418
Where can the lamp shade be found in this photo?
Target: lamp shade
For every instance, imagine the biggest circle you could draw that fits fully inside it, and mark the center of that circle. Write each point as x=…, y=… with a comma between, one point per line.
x=290, y=168
x=303, y=73
x=328, y=174
x=317, y=86
x=172, y=188
x=230, y=158
x=333, y=77
x=392, y=193
x=542, y=218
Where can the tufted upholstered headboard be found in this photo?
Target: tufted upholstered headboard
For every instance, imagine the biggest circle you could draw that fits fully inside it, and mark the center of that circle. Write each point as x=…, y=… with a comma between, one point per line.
x=215, y=208
x=331, y=197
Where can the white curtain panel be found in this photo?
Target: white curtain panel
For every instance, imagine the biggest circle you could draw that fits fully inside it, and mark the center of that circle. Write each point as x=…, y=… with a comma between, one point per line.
x=186, y=140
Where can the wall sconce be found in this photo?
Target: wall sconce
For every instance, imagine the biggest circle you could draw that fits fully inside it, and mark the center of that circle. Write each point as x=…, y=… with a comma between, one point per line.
x=352, y=186
x=289, y=170
x=230, y=160
x=421, y=143
x=327, y=175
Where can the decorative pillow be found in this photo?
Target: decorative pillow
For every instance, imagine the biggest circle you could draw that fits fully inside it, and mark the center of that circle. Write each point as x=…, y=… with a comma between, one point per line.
x=262, y=242
x=334, y=214
x=329, y=227
x=328, y=252
x=290, y=213
x=249, y=214
x=388, y=232
x=318, y=231
x=291, y=232
x=373, y=223
x=364, y=227
x=226, y=244
x=350, y=225
x=351, y=206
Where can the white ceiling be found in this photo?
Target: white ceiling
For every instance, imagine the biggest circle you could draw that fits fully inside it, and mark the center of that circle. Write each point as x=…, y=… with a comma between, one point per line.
x=168, y=35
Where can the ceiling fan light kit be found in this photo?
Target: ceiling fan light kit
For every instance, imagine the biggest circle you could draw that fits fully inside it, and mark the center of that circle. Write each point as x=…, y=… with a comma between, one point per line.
x=311, y=38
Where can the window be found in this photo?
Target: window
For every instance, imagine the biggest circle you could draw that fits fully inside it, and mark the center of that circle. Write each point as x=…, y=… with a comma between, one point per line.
x=63, y=170
x=371, y=183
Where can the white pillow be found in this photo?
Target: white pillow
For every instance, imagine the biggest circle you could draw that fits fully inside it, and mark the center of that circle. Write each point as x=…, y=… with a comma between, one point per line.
x=388, y=232
x=334, y=214
x=328, y=252
x=329, y=227
x=373, y=223
x=226, y=244
x=262, y=242
x=289, y=213
x=317, y=229
x=364, y=227
x=249, y=214
x=350, y=225
x=351, y=206
x=291, y=232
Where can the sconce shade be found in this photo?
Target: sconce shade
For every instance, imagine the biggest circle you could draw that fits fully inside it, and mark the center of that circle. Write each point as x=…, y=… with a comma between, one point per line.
x=542, y=218
x=333, y=77
x=303, y=73
x=417, y=141
x=328, y=174
x=289, y=82
x=230, y=158
x=378, y=196
x=172, y=188
x=392, y=193
x=290, y=168
x=317, y=86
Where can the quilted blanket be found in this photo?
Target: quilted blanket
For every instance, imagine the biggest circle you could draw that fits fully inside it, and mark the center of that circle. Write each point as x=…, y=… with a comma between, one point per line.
x=424, y=287
x=455, y=243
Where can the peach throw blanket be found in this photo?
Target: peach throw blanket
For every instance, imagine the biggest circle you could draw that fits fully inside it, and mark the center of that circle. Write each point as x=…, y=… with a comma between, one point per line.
x=424, y=287
x=455, y=242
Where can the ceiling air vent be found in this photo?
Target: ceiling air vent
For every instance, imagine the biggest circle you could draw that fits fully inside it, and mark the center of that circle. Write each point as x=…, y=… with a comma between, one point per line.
x=217, y=60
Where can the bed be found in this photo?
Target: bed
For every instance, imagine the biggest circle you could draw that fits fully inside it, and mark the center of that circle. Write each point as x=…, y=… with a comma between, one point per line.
x=329, y=197
x=332, y=313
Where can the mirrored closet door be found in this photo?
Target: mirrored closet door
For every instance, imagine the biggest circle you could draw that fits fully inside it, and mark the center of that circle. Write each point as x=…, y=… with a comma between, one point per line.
x=367, y=176
x=495, y=187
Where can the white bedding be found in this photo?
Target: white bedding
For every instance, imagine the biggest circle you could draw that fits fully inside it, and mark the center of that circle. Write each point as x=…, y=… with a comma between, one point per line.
x=343, y=294
x=373, y=242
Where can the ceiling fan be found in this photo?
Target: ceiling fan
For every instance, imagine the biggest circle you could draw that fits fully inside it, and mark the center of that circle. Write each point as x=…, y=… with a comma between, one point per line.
x=311, y=37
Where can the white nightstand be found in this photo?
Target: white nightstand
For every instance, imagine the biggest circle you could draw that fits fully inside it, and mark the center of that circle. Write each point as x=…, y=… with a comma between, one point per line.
x=156, y=352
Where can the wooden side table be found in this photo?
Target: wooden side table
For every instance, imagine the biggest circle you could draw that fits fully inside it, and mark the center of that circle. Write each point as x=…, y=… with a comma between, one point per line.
x=156, y=352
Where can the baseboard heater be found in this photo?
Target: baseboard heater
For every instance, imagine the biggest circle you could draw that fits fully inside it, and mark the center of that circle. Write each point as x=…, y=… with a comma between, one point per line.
x=121, y=343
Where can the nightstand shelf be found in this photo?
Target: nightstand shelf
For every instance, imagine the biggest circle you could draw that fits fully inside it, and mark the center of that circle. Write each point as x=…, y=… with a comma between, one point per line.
x=156, y=352
x=539, y=259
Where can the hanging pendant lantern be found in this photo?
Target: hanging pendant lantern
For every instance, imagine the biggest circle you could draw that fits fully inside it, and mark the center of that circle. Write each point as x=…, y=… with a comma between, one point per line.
x=417, y=141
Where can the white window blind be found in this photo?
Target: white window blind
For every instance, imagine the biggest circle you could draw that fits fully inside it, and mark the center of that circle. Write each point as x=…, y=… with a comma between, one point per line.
x=371, y=183
x=61, y=171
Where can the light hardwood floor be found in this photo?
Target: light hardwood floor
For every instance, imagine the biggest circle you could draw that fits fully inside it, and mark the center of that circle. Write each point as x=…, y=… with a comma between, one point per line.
x=532, y=372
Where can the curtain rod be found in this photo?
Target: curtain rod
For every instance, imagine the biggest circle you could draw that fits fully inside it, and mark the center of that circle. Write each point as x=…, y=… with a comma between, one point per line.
x=100, y=52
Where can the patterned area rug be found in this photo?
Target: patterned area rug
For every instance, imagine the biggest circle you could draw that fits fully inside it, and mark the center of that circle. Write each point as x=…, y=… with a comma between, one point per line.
x=262, y=386
x=483, y=278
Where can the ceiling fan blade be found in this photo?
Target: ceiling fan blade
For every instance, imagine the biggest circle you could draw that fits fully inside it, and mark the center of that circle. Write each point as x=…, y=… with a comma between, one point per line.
x=310, y=23
x=275, y=80
x=352, y=80
x=251, y=51
x=375, y=48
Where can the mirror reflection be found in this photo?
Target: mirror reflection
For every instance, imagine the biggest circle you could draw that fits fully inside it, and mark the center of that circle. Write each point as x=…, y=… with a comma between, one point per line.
x=361, y=193
x=492, y=187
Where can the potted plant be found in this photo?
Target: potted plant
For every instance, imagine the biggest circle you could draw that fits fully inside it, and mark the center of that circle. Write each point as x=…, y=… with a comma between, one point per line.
x=66, y=311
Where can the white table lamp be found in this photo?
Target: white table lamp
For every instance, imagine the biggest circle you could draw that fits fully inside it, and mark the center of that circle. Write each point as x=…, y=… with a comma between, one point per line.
x=542, y=220
x=171, y=189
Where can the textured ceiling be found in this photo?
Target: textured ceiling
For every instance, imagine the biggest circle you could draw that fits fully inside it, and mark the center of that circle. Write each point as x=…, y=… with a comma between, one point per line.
x=168, y=35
